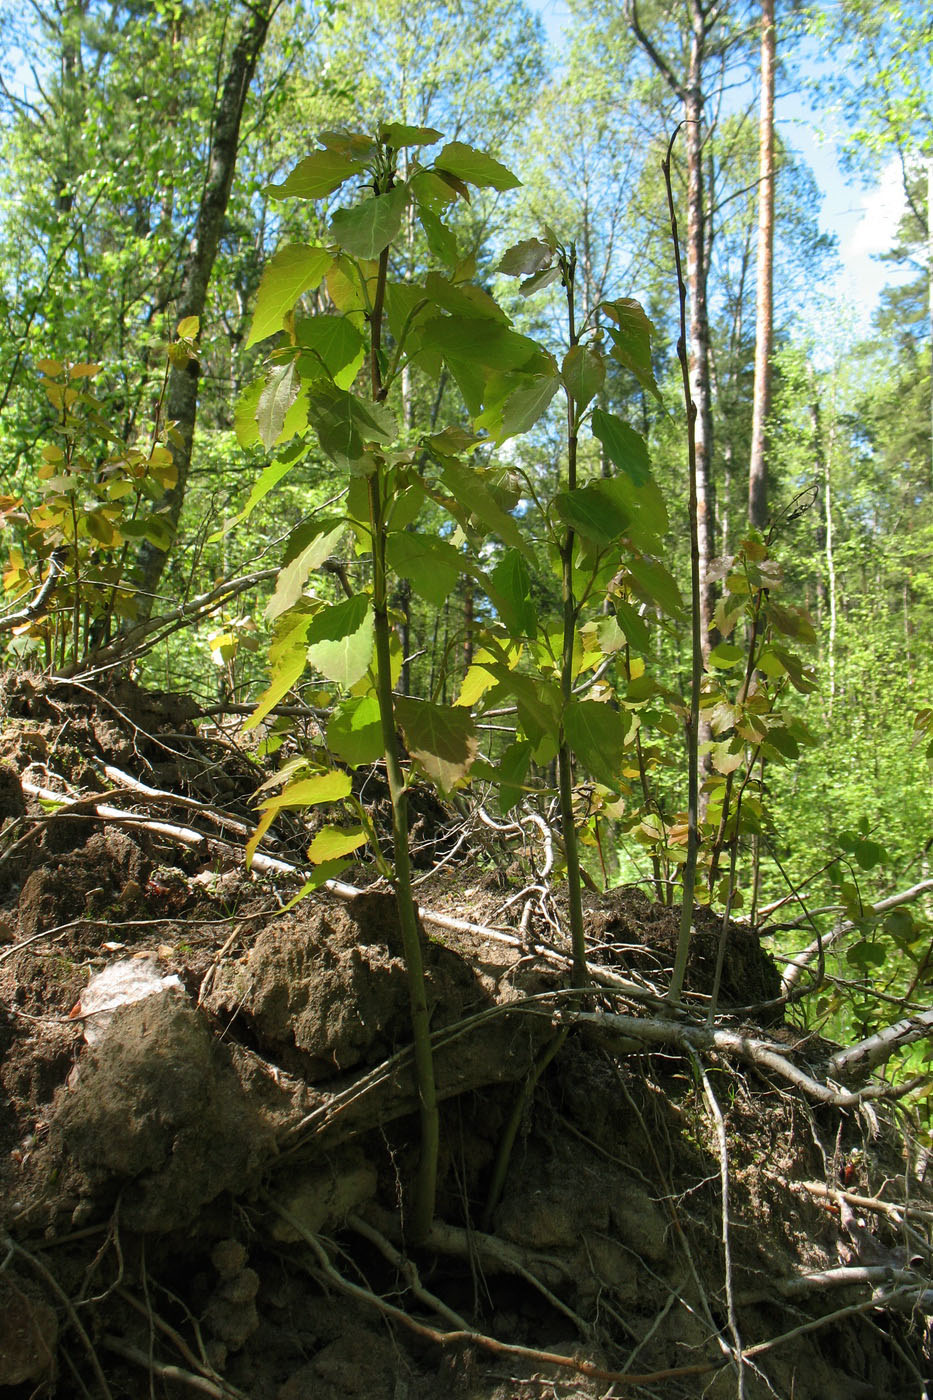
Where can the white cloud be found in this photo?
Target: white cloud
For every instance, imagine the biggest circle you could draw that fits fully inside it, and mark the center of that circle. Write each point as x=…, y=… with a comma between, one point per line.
x=880, y=212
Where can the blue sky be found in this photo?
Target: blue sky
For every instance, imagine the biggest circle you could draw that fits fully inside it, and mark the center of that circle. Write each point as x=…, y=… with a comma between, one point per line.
x=862, y=216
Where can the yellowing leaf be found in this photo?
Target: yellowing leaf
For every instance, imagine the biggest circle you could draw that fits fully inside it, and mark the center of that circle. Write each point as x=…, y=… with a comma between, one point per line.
x=291, y=272
x=333, y=842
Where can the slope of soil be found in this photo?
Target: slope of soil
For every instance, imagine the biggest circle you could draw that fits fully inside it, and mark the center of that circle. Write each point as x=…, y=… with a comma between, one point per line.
x=204, y=1191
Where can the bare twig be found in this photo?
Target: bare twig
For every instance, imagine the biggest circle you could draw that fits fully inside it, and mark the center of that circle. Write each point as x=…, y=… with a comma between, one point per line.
x=723, y=1146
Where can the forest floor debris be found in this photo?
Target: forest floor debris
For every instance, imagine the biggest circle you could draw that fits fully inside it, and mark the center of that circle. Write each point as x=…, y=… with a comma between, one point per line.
x=209, y=1198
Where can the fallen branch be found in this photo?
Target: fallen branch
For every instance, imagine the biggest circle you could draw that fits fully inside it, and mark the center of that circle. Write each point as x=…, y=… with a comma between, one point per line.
x=636, y=1032
x=131, y=643
x=800, y=961
x=35, y=609
x=877, y=1049
x=169, y=1373
x=271, y=865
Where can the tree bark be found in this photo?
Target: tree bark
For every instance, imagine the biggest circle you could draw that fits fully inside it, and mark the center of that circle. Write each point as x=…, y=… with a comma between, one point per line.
x=697, y=283
x=758, y=464
x=690, y=94
x=182, y=397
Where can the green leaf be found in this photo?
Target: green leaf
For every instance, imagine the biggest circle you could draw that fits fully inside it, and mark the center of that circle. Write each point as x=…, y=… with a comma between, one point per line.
x=335, y=842
x=591, y=511
x=727, y=756
x=583, y=373
x=294, y=575
x=430, y=564
x=463, y=300
x=244, y=414
x=633, y=625
x=477, y=680
x=540, y=280
x=869, y=854
x=726, y=655
x=474, y=167
x=286, y=674
x=268, y=480
x=538, y=702
x=442, y=738
x=340, y=640
x=625, y=448
x=512, y=772
x=319, y=174
x=397, y=135
x=336, y=347
x=511, y=579
x=525, y=259
x=441, y=240
x=596, y=734
x=631, y=338
x=290, y=273
x=308, y=792
x=354, y=732
x=655, y=584
x=345, y=424
x=481, y=341
x=471, y=491
x=280, y=392
x=368, y=228
x=525, y=406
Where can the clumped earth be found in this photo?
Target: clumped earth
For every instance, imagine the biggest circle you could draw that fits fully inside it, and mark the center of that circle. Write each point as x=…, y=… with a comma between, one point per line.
x=207, y=1194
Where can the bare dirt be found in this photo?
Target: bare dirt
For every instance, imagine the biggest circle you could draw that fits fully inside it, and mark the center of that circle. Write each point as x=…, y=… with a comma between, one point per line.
x=211, y=1198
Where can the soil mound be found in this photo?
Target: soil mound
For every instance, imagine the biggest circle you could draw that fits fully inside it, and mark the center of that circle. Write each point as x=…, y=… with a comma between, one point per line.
x=211, y=1197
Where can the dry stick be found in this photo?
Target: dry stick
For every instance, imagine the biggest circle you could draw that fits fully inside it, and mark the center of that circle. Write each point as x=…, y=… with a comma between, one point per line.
x=726, y=1242
x=407, y=1269
x=34, y=609
x=636, y=1031
x=136, y=641
x=760, y=1348
x=272, y=865
x=465, y=1336
x=696, y=671
x=178, y=1340
x=116, y=775
x=169, y=1373
x=890, y=1208
x=878, y=1049
x=52, y=1282
x=802, y=959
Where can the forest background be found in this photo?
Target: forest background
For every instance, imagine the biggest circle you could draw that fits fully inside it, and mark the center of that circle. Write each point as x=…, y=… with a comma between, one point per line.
x=140, y=143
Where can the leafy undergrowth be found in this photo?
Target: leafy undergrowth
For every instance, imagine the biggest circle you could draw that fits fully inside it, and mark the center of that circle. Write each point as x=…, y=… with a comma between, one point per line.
x=210, y=1196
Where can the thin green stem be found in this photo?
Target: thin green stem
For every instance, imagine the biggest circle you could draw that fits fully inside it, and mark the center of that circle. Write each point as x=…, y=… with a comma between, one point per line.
x=696, y=676
x=570, y=614
x=425, y=1188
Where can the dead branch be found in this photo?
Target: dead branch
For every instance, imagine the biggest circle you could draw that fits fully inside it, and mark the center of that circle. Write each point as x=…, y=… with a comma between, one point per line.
x=802, y=960
x=636, y=1032
x=877, y=1049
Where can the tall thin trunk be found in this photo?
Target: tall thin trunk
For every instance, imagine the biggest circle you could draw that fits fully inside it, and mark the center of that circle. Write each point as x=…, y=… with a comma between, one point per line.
x=930, y=292
x=699, y=336
x=690, y=94
x=824, y=462
x=182, y=397
x=758, y=465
